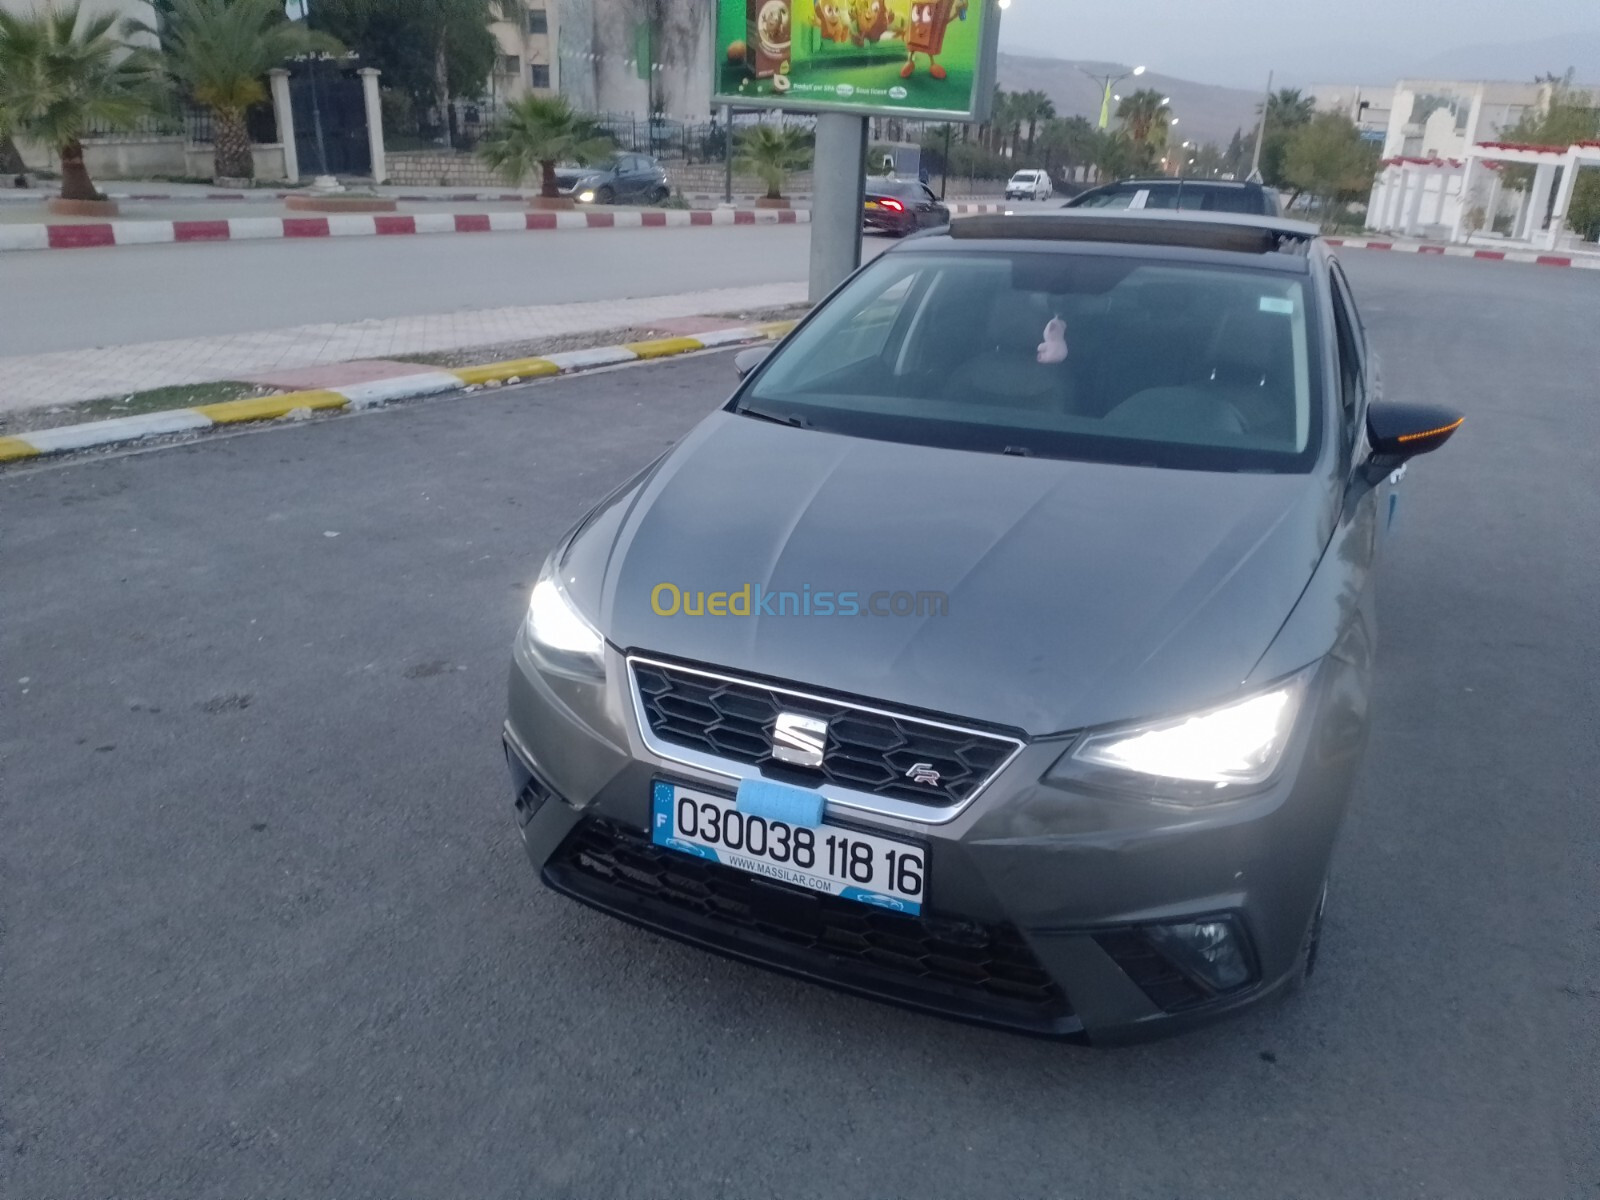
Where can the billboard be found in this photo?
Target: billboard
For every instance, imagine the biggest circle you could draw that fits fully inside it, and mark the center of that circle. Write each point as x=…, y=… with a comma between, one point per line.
x=906, y=58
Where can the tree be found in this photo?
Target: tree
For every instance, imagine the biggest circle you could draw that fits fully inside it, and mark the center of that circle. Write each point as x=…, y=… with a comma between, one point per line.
x=1145, y=117
x=1287, y=110
x=770, y=152
x=1326, y=157
x=62, y=75
x=218, y=51
x=432, y=50
x=541, y=131
x=1033, y=109
x=11, y=159
x=1068, y=142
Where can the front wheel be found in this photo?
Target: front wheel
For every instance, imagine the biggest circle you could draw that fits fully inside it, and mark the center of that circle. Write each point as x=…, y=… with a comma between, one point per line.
x=660, y=196
x=1311, y=944
x=604, y=195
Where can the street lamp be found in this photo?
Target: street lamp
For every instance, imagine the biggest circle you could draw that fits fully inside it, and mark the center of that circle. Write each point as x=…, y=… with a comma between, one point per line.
x=1107, y=82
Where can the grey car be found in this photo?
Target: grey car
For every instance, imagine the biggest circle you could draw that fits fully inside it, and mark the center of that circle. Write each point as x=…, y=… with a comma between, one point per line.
x=1003, y=647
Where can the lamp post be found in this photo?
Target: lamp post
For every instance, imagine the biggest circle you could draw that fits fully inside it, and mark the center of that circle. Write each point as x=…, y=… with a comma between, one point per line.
x=1108, y=82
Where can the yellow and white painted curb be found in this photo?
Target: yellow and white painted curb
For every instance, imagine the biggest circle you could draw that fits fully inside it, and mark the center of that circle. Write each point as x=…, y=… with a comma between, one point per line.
x=95, y=434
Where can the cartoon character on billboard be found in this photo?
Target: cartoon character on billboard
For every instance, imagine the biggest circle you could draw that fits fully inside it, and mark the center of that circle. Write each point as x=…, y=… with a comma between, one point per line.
x=929, y=20
x=832, y=21
x=872, y=20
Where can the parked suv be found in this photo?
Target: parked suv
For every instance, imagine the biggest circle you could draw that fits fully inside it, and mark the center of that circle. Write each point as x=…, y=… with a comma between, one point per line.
x=1030, y=185
x=629, y=178
x=1189, y=195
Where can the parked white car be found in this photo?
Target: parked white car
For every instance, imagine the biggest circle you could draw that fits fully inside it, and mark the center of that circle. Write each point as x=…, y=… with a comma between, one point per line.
x=1030, y=185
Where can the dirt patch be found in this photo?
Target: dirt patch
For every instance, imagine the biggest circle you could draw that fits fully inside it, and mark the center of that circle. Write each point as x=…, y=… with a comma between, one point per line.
x=163, y=399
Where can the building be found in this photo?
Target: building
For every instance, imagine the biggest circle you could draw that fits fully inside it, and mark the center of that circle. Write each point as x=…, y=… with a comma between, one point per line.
x=527, y=63
x=1443, y=144
x=636, y=56
x=1368, y=107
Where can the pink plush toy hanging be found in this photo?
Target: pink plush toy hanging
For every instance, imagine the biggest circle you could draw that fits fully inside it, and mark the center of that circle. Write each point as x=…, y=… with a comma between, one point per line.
x=1054, y=347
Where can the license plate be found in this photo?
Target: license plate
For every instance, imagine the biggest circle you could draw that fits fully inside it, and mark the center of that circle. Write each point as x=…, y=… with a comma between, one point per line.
x=863, y=867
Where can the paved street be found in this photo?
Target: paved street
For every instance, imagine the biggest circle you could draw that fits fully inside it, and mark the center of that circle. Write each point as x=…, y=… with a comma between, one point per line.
x=268, y=930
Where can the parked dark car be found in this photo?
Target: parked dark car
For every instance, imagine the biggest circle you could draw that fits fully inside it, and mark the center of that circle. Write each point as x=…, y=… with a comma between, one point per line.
x=1185, y=195
x=625, y=178
x=902, y=206
x=1004, y=646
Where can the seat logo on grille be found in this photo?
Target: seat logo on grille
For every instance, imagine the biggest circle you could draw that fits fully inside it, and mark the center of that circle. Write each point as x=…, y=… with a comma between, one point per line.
x=923, y=773
x=799, y=740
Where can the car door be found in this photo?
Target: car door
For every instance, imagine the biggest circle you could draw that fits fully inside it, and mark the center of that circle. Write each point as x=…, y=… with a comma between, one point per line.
x=930, y=212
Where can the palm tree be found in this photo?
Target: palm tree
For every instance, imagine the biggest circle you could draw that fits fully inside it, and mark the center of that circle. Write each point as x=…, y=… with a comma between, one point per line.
x=218, y=51
x=1033, y=109
x=541, y=131
x=770, y=152
x=1287, y=107
x=63, y=75
x=1145, y=115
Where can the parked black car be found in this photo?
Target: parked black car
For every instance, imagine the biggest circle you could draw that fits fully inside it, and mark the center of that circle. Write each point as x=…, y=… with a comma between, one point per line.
x=902, y=206
x=628, y=178
x=1189, y=195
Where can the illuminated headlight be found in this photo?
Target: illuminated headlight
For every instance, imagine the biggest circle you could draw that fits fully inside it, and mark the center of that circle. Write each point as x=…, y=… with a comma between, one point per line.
x=586, y=196
x=559, y=634
x=1196, y=758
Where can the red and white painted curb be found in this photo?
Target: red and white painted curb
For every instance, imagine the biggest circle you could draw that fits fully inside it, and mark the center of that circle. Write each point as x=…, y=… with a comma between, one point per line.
x=239, y=229
x=1590, y=261
x=973, y=210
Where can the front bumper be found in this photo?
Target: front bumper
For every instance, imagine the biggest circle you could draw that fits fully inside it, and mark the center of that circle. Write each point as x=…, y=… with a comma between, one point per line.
x=1038, y=897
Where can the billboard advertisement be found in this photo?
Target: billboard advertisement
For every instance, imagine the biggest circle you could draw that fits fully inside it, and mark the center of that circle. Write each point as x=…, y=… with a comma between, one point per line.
x=906, y=58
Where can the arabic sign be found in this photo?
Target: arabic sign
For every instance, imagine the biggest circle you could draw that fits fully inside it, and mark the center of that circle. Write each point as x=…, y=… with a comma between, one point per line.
x=910, y=58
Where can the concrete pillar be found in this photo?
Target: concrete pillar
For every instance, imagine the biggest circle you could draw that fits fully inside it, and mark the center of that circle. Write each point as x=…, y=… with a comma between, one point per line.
x=1469, y=175
x=1413, y=217
x=369, y=92
x=1558, y=218
x=1544, y=177
x=1397, y=203
x=839, y=174
x=1379, y=197
x=283, y=113
x=1446, y=177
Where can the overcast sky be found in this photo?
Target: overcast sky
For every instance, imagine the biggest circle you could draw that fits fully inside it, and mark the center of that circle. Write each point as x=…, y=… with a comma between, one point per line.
x=1236, y=42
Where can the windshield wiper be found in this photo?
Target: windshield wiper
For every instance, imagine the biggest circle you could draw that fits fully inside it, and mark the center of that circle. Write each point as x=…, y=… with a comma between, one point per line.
x=793, y=420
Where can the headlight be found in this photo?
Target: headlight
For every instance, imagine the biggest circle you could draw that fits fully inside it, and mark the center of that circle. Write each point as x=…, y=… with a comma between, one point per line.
x=586, y=196
x=561, y=638
x=1197, y=758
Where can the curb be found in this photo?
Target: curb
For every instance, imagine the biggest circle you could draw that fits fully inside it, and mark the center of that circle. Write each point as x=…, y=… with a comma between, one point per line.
x=236, y=229
x=295, y=405
x=1537, y=258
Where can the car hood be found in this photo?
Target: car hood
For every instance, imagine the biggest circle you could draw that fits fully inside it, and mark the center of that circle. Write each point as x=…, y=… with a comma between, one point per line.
x=1078, y=593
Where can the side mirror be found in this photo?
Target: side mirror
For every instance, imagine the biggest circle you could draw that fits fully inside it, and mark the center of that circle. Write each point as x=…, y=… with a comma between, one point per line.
x=748, y=360
x=1399, y=432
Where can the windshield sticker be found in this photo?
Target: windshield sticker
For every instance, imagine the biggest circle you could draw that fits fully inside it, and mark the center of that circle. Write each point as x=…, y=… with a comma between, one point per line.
x=1277, y=304
x=1054, y=347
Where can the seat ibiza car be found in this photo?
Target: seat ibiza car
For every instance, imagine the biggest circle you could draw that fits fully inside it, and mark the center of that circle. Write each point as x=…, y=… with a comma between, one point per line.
x=1003, y=647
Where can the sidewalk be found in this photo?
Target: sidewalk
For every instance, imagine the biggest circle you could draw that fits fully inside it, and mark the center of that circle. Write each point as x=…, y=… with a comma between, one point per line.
x=42, y=380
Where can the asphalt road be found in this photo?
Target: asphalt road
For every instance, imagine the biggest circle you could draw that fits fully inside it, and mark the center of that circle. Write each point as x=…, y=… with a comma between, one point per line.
x=74, y=300
x=268, y=930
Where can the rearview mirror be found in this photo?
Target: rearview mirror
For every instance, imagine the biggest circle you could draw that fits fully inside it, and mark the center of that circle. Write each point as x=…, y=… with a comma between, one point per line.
x=748, y=360
x=1401, y=431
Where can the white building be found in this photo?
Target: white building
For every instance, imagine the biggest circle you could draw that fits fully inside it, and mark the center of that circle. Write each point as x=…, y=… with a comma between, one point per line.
x=1442, y=144
x=527, y=62
x=1368, y=107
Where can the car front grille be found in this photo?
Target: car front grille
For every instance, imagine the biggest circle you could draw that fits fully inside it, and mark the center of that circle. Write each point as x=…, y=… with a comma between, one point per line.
x=958, y=968
x=868, y=751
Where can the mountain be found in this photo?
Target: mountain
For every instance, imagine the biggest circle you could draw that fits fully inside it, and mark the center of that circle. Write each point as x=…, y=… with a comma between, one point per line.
x=1205, y=112
x=1518, y=60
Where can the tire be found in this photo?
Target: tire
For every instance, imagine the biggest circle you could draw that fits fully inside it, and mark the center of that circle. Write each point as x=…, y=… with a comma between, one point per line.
x=660, y=196
x=604, y=195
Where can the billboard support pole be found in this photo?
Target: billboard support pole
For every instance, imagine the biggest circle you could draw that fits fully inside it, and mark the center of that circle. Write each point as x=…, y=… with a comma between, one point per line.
x=838, y=191
x=727, y=154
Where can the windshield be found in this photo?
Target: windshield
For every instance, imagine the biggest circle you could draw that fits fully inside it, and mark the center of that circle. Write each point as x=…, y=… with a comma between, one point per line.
x=1083, y=356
